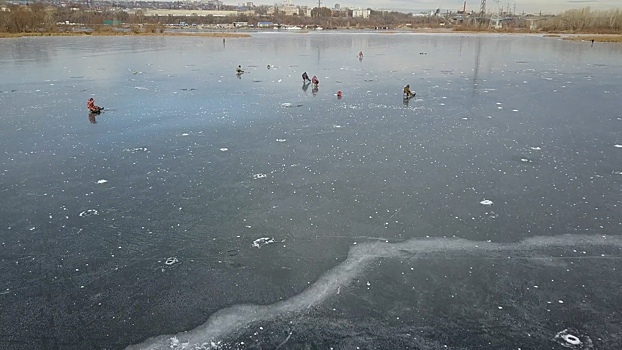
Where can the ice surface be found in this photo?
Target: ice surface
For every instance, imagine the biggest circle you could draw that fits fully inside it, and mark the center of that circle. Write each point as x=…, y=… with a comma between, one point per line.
x=401, y=181
x=232, y=319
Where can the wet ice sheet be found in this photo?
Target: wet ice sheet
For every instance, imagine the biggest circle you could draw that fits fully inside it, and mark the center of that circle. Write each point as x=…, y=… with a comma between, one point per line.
x=200, y=163
x=236, y=318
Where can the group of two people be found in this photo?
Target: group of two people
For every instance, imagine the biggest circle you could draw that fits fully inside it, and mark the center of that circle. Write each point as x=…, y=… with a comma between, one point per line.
x=314, y=80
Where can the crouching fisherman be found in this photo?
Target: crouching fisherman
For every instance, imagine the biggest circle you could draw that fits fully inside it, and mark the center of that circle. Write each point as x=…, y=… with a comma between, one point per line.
x=407, y=92
x=92, y=107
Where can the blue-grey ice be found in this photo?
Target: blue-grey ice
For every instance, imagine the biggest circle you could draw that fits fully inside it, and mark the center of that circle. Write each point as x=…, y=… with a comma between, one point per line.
x=368, y=189
x=236, y=318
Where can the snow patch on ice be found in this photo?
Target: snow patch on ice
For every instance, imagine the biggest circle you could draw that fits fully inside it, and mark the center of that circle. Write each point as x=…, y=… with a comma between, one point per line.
x=486, y=202
x=259, y=176
x=138, y=149
x=260, y=242
x=89, y=212
x=102, y=181
x=171, y=261
x=571, y=338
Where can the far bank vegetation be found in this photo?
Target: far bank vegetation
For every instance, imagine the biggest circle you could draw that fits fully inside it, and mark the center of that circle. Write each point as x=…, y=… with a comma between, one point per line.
x=39, y=19
x=585, y=21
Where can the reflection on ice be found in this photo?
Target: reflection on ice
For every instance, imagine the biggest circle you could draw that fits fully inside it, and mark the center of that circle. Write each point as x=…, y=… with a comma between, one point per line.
x=231, y=320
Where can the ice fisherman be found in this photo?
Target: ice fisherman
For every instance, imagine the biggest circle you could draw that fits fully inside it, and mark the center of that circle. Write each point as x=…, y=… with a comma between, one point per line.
x=90, y=104
x=305, y=77
x=360, y=55
x=239, y=70
x=315, y=82
x=407, y=92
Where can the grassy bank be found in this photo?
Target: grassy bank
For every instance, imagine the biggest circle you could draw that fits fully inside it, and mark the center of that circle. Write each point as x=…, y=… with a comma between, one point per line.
x=597, y=38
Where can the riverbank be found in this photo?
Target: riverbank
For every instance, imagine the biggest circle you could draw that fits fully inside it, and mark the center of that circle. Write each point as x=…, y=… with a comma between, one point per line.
x=127, y=33
x=604, y=38
x=597, y=38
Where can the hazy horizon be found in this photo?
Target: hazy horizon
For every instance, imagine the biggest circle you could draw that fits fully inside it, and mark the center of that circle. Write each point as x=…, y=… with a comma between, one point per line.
x=418, y=6
x=532, y=6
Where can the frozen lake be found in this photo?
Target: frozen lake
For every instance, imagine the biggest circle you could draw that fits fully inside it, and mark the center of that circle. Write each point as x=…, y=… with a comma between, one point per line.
x=207, y=210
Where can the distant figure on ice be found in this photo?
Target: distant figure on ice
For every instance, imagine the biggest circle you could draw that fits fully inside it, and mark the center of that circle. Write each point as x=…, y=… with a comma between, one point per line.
x=592, y=42
x=305, y=77
x=315, y=82
x=90, y=104
x=360, y=55
x=407, y=93
x=239, y=70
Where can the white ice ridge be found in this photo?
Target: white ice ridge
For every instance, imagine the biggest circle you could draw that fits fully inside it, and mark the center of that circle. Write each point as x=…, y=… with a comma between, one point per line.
x=232, y=319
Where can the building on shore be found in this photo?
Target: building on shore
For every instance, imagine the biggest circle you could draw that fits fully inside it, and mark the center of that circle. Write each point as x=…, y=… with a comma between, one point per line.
x=189, y=13
x=361, y=13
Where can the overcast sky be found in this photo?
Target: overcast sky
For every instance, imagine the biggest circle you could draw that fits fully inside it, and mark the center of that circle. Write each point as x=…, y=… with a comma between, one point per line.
x=531, y=6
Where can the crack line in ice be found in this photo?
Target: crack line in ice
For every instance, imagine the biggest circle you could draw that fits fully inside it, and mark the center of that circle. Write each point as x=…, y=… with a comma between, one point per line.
x=230, y=320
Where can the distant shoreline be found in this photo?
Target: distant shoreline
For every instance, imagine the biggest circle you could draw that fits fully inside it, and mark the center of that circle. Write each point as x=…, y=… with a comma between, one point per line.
x=129, y=33
x=603, y=38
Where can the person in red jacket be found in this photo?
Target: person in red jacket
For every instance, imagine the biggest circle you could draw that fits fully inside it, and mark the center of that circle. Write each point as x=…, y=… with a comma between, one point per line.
x=92, y=107
x=315, y=82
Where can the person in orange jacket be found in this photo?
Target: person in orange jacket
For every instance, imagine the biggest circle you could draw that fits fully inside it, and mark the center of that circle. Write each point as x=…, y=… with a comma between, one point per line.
x=92, y=107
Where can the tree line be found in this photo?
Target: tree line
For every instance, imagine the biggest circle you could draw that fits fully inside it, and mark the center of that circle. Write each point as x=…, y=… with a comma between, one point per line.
x=38, y=18
x=585, y=21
